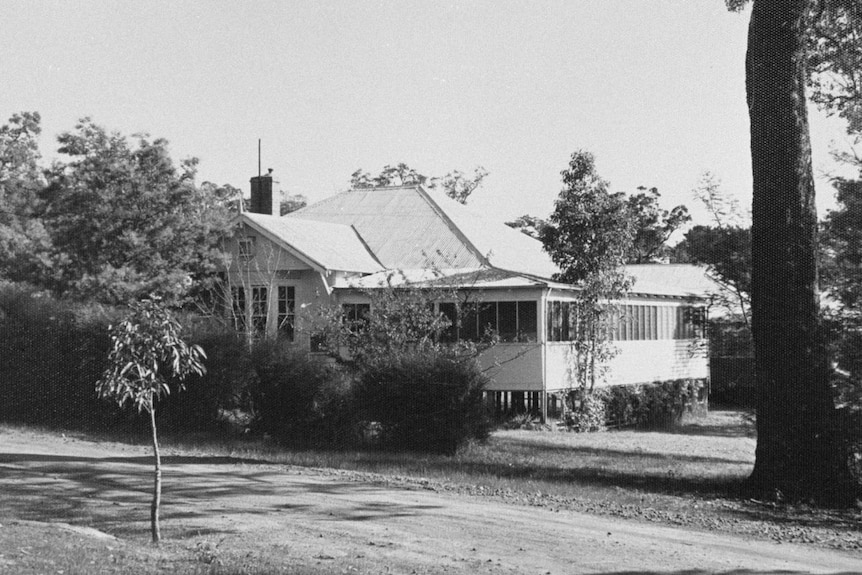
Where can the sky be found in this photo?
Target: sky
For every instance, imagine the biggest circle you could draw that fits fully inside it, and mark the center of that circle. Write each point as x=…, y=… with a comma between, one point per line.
x=654, y=89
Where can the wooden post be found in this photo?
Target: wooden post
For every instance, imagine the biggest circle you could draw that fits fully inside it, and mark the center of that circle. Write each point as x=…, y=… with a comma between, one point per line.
x=544, y=406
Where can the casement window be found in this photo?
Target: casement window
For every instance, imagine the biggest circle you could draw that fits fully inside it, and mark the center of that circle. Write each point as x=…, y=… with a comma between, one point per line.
x=286, y=317
x=512, y=321
x=246, y=247
x=355, y=316
x=653, y=322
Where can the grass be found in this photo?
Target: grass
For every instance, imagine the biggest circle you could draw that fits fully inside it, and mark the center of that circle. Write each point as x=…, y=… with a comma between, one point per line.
x=707, y=457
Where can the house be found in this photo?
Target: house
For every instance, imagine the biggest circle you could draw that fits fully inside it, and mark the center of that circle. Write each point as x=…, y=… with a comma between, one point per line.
x=340, y=249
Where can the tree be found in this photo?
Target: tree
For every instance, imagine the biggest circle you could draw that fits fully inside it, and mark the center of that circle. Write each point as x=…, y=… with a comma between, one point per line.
x=589, y=235
x=459, y=186
x=589, y=231
x=529, y=225
x=724, y=247
x=455, y=184
x=24, y=244
x=835, y=59
x=125, y=221
x=726, y=252
x=842, y=262
x=147, y=354
x=653, y=225
x=292, y=203
x=795, y=457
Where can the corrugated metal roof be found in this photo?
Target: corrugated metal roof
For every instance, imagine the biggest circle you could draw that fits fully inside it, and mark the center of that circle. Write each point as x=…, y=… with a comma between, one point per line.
x=411, y=228
x=503, y=247
x=326, y=245
x=399, y=225
x=685, y=280
x=481, y=278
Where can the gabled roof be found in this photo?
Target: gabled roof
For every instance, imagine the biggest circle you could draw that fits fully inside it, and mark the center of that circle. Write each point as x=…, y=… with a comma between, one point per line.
x=409, y=227
x=322, y=245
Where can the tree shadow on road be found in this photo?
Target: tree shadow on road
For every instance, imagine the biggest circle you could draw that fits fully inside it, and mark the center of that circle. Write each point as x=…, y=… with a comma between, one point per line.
x=113, y=494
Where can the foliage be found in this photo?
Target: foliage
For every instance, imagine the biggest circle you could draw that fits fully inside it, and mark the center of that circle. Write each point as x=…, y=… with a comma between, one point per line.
x=724, y=247
x=24, y=244
x=126, y=222
x=529, y=225
x=455, y=184
x=589, y=235
x=653, y=225
x=397, y=320
x=224, y=387
x=591, y=415
x=424, y=394
x=458, y=185
x=653, y=405
x=147, y=353
x=842, y=258
x=424, y=401
x=589, y=232
x=835, y=59
x=292, y=203
x=51, y=352
x=300, y=400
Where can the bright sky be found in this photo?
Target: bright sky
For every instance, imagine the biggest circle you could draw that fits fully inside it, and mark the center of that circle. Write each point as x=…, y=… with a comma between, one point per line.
x=654, y=89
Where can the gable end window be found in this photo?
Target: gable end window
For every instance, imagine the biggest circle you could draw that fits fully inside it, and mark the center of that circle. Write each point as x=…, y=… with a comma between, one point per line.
x=246, y=247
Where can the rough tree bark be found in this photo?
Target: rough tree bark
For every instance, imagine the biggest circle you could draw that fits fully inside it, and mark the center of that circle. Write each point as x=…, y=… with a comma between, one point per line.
x=794, y=456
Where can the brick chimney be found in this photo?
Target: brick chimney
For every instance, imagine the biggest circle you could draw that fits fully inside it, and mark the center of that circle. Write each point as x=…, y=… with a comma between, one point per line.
x=261, y=194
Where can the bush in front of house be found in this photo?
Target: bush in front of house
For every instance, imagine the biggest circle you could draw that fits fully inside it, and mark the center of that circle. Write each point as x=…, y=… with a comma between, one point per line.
x=591, y=415
x=52, y=354
x=426, y=402
x=654, y=405
x=300, y=400
x=225, y=387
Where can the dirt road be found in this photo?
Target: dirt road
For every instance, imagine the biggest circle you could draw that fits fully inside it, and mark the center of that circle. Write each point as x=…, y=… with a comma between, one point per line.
x=344, y=523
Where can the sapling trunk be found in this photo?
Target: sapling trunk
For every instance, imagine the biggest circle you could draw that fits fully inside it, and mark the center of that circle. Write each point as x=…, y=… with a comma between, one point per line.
x=157, y=484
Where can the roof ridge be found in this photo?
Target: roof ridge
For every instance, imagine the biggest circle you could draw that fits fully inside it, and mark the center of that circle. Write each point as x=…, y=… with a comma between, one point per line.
x=423, y=193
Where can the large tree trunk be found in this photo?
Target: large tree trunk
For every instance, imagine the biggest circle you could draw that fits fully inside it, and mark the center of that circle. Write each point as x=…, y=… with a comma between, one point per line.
x=793, y=458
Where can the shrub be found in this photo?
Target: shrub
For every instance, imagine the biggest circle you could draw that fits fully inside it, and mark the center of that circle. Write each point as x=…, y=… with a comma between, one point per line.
x=656, y=405
x=424, y=401
x=225, y=387
x=301, y=400
x=592, y=413
x=53, y=352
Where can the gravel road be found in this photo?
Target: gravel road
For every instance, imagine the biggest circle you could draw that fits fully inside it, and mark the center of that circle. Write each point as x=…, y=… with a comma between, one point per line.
x=341, y=519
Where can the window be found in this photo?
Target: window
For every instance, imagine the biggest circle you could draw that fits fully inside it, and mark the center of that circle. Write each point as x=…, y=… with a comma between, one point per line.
x=528, y=321
x=694, y=322
x=512, y=321
x=560, y=326
x=286, y=312
x=449, y=311
x=246, y=247
x=507, y=320
x=258, y=309
x=355, y=315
